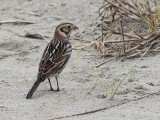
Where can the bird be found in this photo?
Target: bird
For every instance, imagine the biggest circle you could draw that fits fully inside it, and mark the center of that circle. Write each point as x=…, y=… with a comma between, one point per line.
x=55, y=57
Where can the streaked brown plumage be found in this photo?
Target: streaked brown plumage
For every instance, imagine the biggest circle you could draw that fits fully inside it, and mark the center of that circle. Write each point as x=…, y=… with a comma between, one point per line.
x=55, y=56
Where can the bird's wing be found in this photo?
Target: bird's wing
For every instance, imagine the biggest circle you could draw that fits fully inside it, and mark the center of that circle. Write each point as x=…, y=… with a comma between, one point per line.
x=54, y=58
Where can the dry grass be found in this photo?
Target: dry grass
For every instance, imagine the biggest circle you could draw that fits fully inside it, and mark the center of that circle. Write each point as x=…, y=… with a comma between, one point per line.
x=113, y=21
x=130, y=42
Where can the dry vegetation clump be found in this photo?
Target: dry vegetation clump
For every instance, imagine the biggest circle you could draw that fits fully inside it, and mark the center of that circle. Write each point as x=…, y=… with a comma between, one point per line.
x=125, y=28
x=134, y=22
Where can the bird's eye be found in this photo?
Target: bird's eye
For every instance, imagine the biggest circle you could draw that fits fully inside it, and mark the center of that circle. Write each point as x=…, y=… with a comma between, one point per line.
x=69, y=27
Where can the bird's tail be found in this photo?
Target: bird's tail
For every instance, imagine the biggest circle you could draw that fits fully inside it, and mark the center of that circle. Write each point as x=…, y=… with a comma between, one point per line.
x=33, y=89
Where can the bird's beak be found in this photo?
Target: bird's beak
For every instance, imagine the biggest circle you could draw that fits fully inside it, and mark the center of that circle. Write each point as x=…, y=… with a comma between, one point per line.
x=75, y=28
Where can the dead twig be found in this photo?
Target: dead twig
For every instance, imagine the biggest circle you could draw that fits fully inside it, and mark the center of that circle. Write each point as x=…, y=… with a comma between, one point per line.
x=35, y=36
x=44, y=37
x=109, y=107
x=119, y=41
x=124, y=48
x=16, y=22
x=106, y=61
x=117, y=32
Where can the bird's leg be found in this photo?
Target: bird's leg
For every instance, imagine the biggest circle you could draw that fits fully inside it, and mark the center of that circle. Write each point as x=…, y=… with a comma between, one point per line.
x=57, y=83
x=51, y=89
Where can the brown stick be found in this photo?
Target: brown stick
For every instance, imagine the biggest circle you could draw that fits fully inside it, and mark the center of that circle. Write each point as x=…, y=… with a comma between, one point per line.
x=109, y=107
x=106, y=61
x=16, y=22
x=124, y=48
x=149, y=50
x=119, y=41
x=35, y=36
x=114, y=31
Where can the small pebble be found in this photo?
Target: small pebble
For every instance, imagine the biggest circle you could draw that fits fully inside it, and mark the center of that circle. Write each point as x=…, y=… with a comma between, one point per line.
x=151, y=84
x=101, y=96
x=139, y=87
x=145, y=66
x=130, y=80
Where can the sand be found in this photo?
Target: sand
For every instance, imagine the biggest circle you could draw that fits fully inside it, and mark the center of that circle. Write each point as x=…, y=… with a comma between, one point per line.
x=20, y=56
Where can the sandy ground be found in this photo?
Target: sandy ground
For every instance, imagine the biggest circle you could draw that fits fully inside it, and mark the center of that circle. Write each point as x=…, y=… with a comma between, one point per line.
x=19, y=59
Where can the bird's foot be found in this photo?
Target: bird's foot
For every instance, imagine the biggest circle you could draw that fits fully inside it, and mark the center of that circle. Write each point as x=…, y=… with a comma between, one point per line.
x=57, y=89
x=51, y=89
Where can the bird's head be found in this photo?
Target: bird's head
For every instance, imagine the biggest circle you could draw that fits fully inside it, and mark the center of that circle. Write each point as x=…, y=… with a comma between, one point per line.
x=65, y=29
